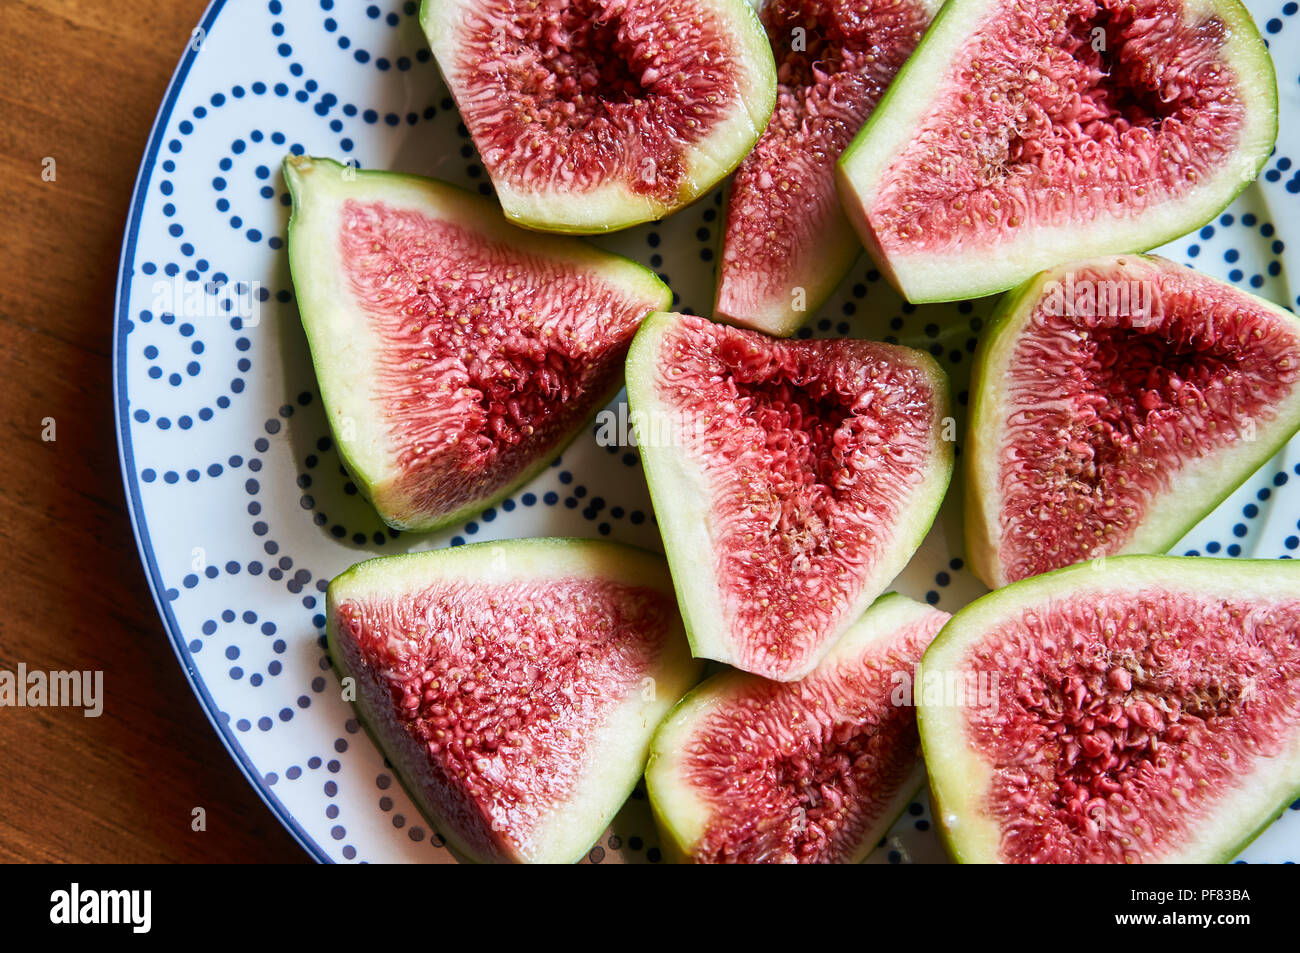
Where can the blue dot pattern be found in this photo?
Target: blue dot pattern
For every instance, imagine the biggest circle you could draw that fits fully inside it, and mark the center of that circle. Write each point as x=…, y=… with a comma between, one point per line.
x=243, y=506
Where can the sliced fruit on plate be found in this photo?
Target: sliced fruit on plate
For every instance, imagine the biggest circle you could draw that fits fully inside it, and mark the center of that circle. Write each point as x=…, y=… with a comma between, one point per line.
x=747, y=770
x=455, y=353
x=1024, y=133
x=515, y=686
x=1144, y=712
x=1115, y=403
x=599, y=114
x=791, y=480
x=787, y=242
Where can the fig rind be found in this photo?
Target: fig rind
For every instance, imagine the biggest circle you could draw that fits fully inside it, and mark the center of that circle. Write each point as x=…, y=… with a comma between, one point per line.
x=1189, y=492
x=684, y=498
x=615, y=754
x=961, y=778
x=684, y=813
x=972, y=268
x=347, y=346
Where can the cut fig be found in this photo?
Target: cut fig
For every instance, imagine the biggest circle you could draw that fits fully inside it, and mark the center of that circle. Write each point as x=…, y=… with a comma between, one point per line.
x=1115, y=403
x=514, y=686
x=1147, y=711
x=787, y=242
x=1024, y=133
x=791, y=480
x=598, y=114
x=455, y=353
x=749, y=771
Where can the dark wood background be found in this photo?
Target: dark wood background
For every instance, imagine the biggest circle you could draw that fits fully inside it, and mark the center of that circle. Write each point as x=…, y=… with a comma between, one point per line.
x=81, y=82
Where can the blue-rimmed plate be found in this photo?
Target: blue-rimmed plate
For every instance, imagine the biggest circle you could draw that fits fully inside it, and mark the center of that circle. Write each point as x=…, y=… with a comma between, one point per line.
x=241, y=509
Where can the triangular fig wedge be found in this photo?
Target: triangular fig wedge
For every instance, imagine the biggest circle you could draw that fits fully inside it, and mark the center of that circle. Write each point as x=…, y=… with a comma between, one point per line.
x=514, y=686
x=1142, y=711
x=1024, y=133
x=1116, y=402
x=455, y=353
x=791, y=480
x=593, y=115
x=747, y=770
x=786, y=242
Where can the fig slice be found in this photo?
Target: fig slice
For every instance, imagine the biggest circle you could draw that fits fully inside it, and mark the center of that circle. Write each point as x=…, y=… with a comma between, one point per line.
x=1024, y=133
x=791, y=480
x=593, y=115
x=455, y=353
x=514, y=686
x=747, y=770
x=1115, y=403
x=1144, y=712
x=786, y=242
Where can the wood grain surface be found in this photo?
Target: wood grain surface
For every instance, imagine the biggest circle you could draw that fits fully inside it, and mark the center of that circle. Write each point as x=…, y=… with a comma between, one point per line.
x=81, y=82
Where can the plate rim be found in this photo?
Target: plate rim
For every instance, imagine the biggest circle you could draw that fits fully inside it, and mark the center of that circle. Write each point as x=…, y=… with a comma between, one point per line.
x=126, y=456
x=130, y=478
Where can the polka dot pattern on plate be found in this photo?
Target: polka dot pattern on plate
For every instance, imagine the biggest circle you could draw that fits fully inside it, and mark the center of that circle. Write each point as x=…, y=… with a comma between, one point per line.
x=243, y=509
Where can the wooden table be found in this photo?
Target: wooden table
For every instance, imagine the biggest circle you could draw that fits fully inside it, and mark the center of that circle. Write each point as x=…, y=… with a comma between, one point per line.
x=81, y=82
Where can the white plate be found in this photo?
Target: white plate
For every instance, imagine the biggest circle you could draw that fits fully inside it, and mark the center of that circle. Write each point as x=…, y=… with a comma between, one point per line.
x=241, y=510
